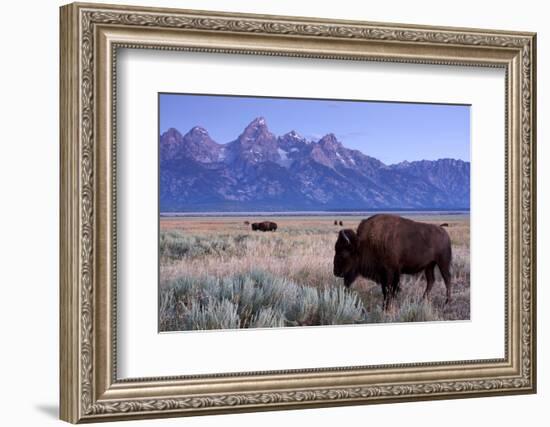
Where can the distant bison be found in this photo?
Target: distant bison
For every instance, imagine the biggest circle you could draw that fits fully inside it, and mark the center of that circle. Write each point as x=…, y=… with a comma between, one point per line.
x=386, y=246
x=335, y=222
x=341, y=224
x=247, y=223
x=264, y=226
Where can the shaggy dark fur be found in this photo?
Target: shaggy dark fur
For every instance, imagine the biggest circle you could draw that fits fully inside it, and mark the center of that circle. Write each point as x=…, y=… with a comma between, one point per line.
x=386, y=246
x=264, y=226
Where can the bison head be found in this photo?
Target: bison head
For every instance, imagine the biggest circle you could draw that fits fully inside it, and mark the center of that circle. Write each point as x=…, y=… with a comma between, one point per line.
x=346, y=256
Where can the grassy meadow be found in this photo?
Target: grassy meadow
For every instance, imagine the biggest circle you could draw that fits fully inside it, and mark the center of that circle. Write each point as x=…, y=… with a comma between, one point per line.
x=216, y=273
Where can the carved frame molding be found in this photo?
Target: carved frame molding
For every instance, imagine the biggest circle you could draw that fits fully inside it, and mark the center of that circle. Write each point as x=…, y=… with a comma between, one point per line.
x=90, y=36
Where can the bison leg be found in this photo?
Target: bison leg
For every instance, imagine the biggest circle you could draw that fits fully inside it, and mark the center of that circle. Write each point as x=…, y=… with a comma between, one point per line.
x=444, y=264
x=430, y=278
x=390, y=288
x=395, y=288
x=447, y=279
x=386, y=294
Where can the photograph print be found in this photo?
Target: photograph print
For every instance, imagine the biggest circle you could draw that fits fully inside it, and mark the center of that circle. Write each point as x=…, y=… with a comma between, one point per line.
x=291, y=212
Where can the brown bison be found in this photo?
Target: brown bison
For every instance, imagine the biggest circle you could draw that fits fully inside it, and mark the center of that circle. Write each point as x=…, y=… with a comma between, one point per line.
x=264, y=226
x=341, y=224
x=386, y=246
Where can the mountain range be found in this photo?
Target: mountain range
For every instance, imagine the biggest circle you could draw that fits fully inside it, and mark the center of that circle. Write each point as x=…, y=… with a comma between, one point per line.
x=259, y=171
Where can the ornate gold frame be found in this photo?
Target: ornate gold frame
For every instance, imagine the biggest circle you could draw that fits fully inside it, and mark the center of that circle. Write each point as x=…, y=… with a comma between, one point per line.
x=90, y=35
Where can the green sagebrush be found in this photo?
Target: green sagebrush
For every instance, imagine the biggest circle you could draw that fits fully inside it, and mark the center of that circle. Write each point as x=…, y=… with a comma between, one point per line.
x=254, y=300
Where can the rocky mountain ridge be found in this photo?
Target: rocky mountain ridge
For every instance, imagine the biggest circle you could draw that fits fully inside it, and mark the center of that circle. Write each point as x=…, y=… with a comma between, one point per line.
x=259, y=171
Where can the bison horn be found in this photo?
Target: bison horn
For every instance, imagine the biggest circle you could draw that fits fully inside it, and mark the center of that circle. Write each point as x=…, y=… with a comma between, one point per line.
x=343, y=233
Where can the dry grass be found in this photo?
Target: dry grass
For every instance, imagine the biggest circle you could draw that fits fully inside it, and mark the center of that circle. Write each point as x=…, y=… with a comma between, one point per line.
x=301, y=252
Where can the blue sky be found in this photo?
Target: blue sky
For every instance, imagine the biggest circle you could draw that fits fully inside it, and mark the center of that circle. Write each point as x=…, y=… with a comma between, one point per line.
x=391, y=132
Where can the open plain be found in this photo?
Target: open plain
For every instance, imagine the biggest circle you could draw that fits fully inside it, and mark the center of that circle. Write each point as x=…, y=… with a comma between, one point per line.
x=216, y=273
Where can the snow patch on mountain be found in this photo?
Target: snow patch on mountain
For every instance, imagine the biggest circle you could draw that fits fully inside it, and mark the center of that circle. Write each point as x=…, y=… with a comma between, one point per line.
x=259, y=170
